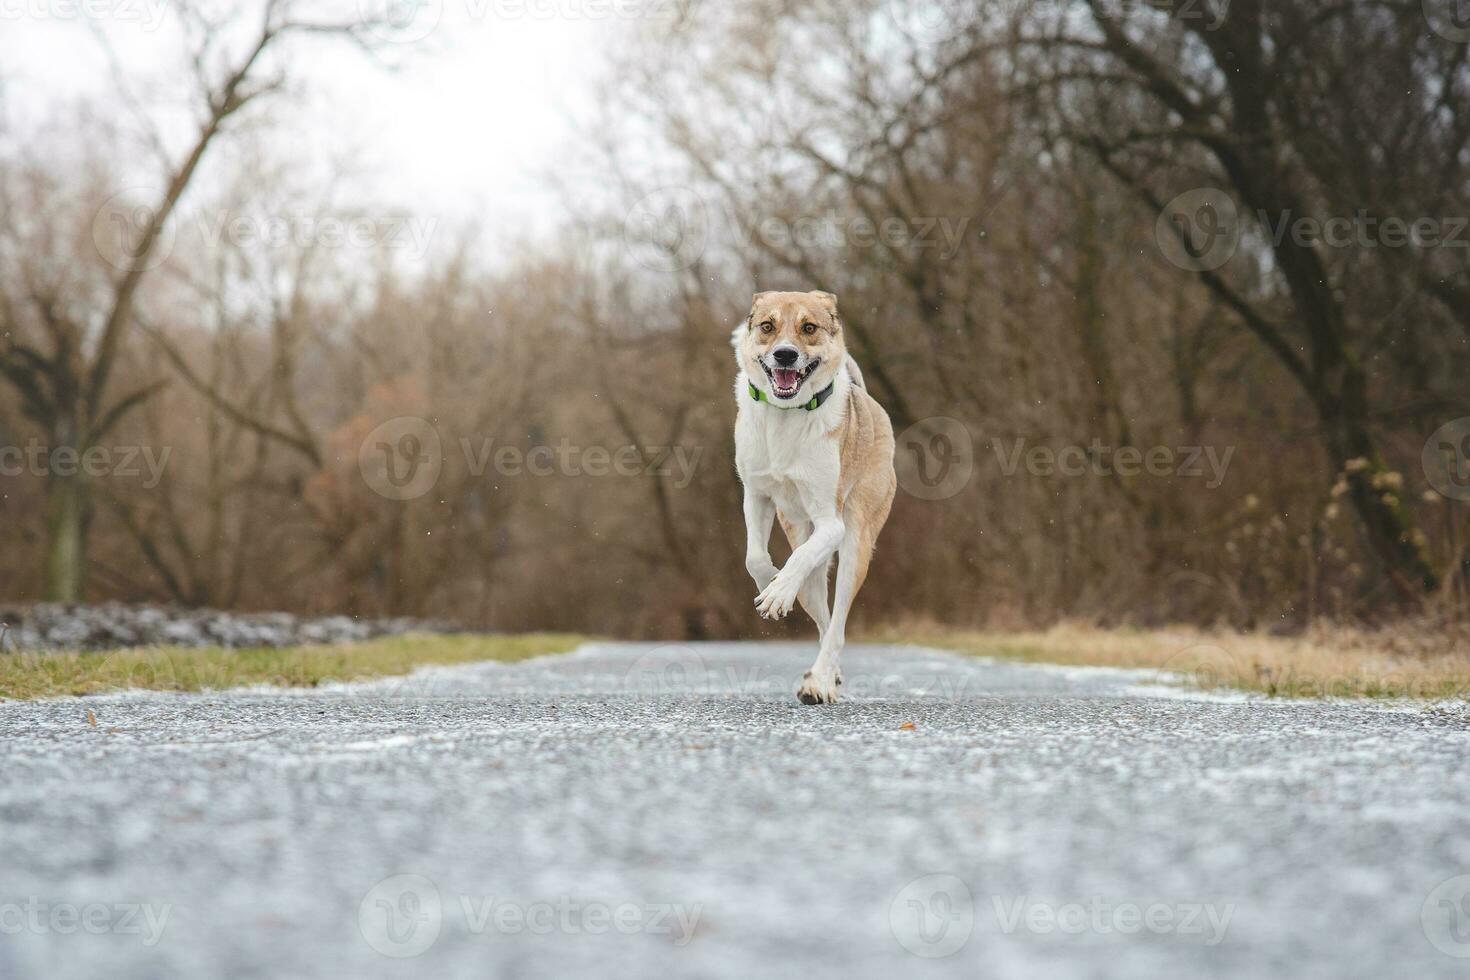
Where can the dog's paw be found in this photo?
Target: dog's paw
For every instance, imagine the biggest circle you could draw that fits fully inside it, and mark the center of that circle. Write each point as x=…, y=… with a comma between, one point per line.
x=777, y=598
x=817, y=689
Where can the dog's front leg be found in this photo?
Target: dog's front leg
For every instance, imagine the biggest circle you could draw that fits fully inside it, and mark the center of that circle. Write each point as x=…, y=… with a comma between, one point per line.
x=777, y=598
x=760, y=514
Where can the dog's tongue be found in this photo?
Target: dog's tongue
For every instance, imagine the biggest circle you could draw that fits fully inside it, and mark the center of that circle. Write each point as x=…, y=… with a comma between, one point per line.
x=786, y=378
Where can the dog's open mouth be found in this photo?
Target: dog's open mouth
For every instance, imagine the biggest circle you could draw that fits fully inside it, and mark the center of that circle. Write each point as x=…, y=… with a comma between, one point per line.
x=785, y=382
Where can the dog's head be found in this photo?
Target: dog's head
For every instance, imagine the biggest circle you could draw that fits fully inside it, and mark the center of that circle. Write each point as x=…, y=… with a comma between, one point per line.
x=792, y=345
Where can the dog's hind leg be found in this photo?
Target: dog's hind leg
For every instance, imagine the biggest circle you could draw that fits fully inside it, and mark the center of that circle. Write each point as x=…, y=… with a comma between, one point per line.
x=819, y=685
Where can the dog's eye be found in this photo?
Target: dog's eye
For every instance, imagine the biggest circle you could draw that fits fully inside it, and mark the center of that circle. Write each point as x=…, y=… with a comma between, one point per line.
x=808, y=328
x=768, y=327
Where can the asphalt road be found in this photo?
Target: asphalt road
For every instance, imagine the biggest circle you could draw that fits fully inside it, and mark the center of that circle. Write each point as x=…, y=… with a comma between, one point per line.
x=632, y=811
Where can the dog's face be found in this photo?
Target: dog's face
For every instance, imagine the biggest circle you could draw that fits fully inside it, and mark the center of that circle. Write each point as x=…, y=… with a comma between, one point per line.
x=792, y=345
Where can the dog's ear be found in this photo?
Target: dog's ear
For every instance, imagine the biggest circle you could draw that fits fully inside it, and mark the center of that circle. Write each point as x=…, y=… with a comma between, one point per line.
x=828, y=303
x=754, y=302
x=826, y=299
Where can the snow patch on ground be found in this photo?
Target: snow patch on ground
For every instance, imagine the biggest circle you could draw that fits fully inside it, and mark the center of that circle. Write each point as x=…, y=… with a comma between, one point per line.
x=114, y=626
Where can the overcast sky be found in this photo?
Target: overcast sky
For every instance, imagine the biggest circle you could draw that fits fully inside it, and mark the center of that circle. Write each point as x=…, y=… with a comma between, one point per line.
x=465, y=129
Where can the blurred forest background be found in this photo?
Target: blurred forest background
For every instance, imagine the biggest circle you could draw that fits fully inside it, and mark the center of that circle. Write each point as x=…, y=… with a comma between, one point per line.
x=1058, y=224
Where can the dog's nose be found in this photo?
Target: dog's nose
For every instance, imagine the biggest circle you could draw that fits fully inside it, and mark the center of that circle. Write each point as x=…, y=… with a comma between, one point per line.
x=785, y=356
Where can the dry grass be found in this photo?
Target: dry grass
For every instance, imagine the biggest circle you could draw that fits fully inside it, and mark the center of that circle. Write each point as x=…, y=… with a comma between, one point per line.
x=39, y=675
x=1327, y=662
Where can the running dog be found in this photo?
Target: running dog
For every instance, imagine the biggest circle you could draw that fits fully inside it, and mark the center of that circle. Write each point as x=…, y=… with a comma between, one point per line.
x=814, y=450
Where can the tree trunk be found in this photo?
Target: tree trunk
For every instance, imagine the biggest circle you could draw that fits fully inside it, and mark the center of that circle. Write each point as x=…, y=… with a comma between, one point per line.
x=68, y=500
x=1379, y=504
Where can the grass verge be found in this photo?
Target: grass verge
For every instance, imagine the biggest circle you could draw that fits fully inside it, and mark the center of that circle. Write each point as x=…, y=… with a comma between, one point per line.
x=41, y=675
x=1329, y=662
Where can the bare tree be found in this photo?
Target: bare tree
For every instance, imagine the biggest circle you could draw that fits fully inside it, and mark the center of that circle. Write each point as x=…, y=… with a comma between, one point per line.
x=1230, y=93
x=60, y=351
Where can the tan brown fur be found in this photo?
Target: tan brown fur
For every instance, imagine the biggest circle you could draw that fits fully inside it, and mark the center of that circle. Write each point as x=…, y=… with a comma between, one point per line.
x=868, y=483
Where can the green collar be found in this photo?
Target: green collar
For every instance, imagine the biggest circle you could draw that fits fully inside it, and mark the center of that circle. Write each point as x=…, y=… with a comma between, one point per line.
x=812, y=405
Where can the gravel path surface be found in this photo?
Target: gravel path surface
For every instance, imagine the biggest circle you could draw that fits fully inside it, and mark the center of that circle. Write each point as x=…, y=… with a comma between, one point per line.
x=631, y=810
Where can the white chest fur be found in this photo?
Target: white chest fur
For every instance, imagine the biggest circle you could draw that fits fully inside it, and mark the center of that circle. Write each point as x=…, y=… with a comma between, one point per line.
x=791, y=455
